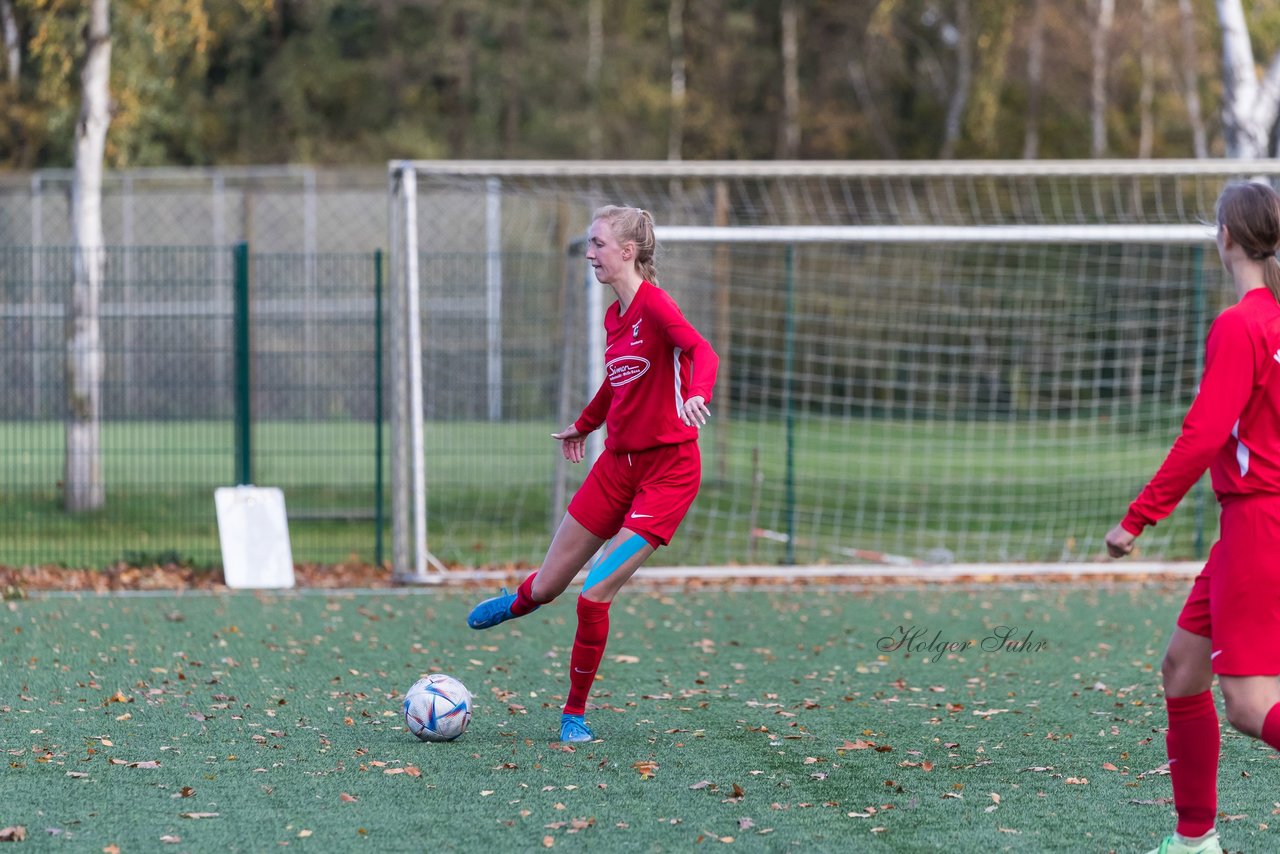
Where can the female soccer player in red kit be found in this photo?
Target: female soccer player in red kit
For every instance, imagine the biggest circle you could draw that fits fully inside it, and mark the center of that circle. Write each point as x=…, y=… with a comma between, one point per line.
x=1230, y=624
x=658, y=377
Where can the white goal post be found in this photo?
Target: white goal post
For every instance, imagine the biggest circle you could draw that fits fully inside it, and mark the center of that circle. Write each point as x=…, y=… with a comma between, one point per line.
x=1015, y=215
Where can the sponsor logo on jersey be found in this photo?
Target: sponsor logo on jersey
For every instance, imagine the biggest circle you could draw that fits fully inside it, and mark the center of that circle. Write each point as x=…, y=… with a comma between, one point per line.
x=625, y=369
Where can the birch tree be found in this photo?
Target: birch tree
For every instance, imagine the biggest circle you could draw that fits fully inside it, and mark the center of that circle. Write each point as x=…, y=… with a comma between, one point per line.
x=12, y=45
x=1191, y=79
x=789, y=133
x=1146, y=94
x=83, y=484
x=1249, y=104
x=1103, y=15
x=962, y=34
x=675, y=34
x=1035, y=82
x=595, y=65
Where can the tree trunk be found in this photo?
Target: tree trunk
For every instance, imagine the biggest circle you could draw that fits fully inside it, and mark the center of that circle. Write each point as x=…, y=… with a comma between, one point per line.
x=867, y=102
x=963, y=81
x=83, y=481
x=789, y=136
x=1191, y=80
x=675, y=31
x=12, y=43
x=1249, y=107
x=1035, y=82
x=1146, y=92
x=1104, y=15
x=595, y=64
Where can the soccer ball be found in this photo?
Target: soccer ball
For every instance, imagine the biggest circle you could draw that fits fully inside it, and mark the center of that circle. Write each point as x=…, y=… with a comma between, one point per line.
x=437, y=708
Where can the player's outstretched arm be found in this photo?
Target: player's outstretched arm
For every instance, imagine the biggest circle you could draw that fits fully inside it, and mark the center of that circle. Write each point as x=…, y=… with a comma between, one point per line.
x=1119, y=541
x=573, y=444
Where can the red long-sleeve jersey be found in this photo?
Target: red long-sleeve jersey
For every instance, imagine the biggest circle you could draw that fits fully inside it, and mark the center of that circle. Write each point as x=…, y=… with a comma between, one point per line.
x=654, y=361
x=1233, y=426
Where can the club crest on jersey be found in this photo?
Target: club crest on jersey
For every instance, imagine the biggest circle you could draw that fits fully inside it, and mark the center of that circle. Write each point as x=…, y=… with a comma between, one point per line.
x=625, y=369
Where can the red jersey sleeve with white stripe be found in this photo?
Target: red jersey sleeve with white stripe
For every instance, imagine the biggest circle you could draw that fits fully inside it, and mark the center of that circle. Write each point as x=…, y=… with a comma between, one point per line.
x=1233, y=426
x=654, y=361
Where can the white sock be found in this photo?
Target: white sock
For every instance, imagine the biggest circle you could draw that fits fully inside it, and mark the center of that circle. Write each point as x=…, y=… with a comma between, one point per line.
x=1196, y=840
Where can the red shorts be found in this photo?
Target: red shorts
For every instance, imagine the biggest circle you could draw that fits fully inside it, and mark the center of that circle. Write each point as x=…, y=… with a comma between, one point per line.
x=1235, y=600
x=646, y=491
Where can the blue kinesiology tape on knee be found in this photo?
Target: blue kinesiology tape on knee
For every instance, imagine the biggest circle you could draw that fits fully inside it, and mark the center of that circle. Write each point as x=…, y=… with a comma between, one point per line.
x=604, y=567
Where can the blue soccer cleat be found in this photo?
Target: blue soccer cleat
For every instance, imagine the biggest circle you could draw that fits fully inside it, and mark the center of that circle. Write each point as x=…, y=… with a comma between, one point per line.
x=491, y=612
x=574, y=728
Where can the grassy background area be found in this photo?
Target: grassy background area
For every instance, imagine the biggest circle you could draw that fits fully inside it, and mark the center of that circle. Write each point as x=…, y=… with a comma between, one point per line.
x=988, y=491
x=770, y=720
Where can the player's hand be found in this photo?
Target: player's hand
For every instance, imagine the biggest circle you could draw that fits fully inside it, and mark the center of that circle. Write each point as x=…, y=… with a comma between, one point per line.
x=695, y=412
x=1119, y=541
x=572, y=443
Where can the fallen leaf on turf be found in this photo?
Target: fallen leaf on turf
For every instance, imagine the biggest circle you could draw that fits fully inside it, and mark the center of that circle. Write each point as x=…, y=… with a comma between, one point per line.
x=995, y=796
x=198, y=815
x=349, y=799
x=170, y=839
x=303, y=834
x=857, y=744
x=548, y=841
x=412, y=771
x=1107, y=766
x=186, y=791
x=111, y=849
x=1077, y=781
x=702, y=784
x=146, y=763
x=625, y=659
x=745, y=824
x=1151, y=802
x=646, y=767
x=77, y=774
x=16, y=833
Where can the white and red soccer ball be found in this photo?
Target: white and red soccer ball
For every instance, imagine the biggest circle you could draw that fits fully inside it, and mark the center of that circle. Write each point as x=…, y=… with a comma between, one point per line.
x=437, y=708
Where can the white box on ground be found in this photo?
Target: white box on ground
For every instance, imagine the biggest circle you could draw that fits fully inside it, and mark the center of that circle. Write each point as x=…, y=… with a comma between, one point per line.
x=254, y=532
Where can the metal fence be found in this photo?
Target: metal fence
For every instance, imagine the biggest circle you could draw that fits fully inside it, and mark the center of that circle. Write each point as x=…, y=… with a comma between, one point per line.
x=184, y=412
x=273, y=209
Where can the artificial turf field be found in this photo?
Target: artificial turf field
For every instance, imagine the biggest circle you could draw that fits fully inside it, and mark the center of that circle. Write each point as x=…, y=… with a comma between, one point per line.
x=765, y=719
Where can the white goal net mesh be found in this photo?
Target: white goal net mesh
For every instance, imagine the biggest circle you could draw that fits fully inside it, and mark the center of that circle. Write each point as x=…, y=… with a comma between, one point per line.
x=921, y=362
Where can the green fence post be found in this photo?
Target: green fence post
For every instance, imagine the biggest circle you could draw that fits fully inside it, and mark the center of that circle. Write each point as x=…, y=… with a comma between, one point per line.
x=244, y=414
x=1197, y=314
x=377, y=406
x=788, y=378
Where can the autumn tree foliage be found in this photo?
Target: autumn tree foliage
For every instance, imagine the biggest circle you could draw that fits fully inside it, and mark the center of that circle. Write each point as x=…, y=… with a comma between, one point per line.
x=201, y=82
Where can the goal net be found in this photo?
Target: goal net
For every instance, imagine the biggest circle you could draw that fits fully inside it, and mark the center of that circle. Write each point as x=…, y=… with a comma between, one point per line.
x=921, y=363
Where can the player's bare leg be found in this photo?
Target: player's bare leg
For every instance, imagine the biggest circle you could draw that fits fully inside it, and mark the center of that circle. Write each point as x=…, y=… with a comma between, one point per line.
x=570, y=549
x=1249, y=701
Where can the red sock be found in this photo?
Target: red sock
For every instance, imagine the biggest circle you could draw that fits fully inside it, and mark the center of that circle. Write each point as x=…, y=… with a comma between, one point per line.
x=1193, y=743
x=588, y=649
x=524, y=597
x=1271, y=727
